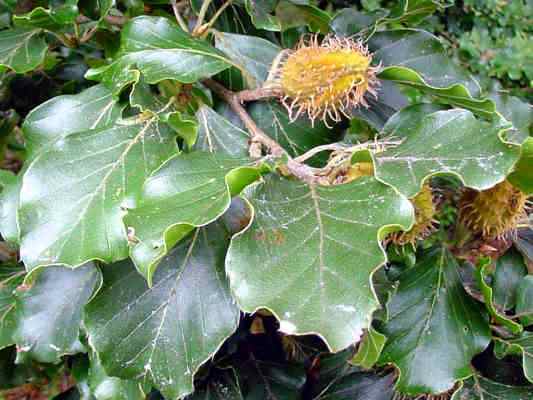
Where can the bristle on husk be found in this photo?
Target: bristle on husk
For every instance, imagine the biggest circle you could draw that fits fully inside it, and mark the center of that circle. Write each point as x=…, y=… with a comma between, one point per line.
x=492, y=213
x=425, y=222
x=324, y=81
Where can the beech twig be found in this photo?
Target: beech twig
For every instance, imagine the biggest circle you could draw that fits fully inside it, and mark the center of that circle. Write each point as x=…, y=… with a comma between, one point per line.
x=300, y=170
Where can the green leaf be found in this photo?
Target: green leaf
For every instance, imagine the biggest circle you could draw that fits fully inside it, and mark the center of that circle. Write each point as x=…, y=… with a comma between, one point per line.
x=222, y=386
x=496, y=309
x=360, y=385
x=349, y=21
x=9, y=200
x=443, y=142
x=292, y=15
x=519, y=113
x=510, y=269
x=189, y=190
x=164, y=333
x=51, y=19
x=296, y=137
x=524, y=300
x=261, y=14
x=159, y=49
x=22, y=50
x=217, y=134
x=74, y=193
x=10, y=278
x=62, y=115
x=48, y=313
x=369, y=349
x=417, y=58
x=413, y=12
x=310, y=251
x=523, y=346
x=104, y=387
x=253, y=54
x=435, y=327
x=269, y=380
x=480, y=388
x=521, y=176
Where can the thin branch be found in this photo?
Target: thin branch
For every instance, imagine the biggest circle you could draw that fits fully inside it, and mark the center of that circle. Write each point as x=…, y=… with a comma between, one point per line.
x=215, y=17
x=179, y=18
x=201, y=15
x=301, y=171
x=257, y=94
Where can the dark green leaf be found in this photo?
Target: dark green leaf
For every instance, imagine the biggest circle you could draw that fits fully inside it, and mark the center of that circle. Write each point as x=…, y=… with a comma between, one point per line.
x=73, y=194
x=296, y=137
x=62, y=115
x=104, y=387
x=523, y=346
x=222, y=385
x=435, y=327
x=369, y=349
x=417, y=58
x=521, y=176
x=510, y=269
x=261, y=13
x=310, y=251
x=519, y=113
x=22, y=50
x=524, y=300
x=360, y=385
x=164, y=333
x=350, y=21
x=51, y=19
x=10, y=278
x=443, y=142
x=479, y=388
x=217, y=134
x=48, y=313
x=159, y=49
x=495, y=308
x=189, y=190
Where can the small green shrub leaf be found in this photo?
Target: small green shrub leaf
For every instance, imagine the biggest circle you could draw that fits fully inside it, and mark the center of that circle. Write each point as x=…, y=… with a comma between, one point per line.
x=480, y=388
x=10, y=278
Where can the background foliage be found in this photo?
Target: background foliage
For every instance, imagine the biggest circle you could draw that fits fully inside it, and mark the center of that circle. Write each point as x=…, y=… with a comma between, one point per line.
x=146, y=255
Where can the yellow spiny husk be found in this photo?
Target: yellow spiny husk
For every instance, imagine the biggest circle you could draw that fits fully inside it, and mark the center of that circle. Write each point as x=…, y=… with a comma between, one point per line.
x=494, y=212
x=424, y=219
x=326, y=80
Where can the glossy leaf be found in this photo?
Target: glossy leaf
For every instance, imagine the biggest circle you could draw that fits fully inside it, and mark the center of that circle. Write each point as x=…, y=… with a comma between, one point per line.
x=417, y=58
x=435, y=327
x=62, y=115
x=369, y=349
x=52, y=19
x=522, y=346
x=73, y=194
x=443, y=142
x=524, y=300
x=9, y=199
x=104, y=387
x=10, y=278
x=496, y=309
x=510, y=269
x=21, y=49
x=480, y=388
x=188, y=191
x=261, y=13
x=360, y=385
x=518, y=112
x=217, y=134
x=223, y=386
x=310, y=251
x=521, y=176
x=253, y=54
x=350, y=21
x=48, y=313
x=295, y=137
x=164, y=333
x=159, y=49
